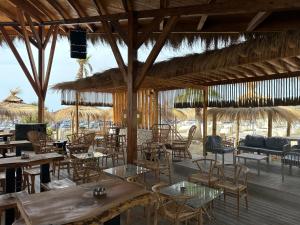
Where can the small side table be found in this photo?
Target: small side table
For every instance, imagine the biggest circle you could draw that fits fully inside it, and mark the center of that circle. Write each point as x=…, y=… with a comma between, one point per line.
x=252, y=156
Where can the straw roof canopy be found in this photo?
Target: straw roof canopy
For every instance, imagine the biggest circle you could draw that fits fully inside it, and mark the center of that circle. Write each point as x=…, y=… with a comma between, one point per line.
x=85, y=112
x=211, y=21
x=13, y=106
x=269, y=57
x=279, y=114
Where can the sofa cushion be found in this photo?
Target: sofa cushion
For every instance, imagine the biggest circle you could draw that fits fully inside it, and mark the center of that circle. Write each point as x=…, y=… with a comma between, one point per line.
x=255, y=141
x=213, y=142
x=276, y=143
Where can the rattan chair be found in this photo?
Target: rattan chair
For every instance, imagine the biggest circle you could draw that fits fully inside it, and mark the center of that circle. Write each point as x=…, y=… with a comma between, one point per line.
x=156, y=158
x=208, y=172
x=180, y=148
x=86, y=170
x=41, y=143
x=174, y=208
x=233, y=181
x=160, y=133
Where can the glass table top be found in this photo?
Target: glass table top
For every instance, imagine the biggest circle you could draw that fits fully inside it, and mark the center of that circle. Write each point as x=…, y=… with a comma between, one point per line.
x=89, y=155
x=126, y=171
x=200, y=195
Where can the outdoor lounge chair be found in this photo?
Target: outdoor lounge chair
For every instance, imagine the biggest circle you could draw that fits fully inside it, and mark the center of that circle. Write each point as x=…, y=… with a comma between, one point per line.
x=180, y=148
x=216, y=145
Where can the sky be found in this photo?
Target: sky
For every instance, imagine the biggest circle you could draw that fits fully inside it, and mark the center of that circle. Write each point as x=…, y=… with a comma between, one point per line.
x=65, y=68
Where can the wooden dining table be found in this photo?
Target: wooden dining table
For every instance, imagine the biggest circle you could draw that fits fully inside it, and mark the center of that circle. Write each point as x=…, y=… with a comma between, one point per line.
x=13, y=172
x=5, y=135
x=77, y=205
x=4, y=145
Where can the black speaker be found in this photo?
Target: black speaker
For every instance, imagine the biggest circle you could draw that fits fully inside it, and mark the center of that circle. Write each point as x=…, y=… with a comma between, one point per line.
x=78, y=44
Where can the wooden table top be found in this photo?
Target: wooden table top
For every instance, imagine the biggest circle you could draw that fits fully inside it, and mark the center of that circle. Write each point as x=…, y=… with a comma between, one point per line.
x=89, y=155
x=75, y=204
x=34, y=159
x=14, y=143
x=2, y=134
x=251, y=156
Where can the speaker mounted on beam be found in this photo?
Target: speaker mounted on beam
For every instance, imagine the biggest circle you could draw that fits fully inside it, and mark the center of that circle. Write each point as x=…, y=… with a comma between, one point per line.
x=78, y=43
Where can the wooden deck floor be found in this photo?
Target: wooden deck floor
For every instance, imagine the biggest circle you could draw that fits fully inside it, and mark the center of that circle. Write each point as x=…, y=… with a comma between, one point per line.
x=266, y=206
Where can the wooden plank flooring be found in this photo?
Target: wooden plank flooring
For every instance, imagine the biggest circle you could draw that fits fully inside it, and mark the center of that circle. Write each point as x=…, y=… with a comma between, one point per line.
x=263, y=210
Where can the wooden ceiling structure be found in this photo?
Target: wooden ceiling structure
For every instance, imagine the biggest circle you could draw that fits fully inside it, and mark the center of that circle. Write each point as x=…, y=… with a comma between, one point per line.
x=254, y=60
x=136, y=22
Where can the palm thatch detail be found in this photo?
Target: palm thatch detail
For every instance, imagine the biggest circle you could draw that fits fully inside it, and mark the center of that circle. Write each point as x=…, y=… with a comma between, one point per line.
x=278, y=114
x=84, y=112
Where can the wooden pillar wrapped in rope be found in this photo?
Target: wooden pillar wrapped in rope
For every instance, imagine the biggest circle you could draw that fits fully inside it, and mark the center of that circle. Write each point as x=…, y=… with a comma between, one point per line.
x=205, y=102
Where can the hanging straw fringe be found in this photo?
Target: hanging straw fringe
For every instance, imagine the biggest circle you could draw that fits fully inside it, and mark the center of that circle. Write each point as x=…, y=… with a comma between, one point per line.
x=87, y=98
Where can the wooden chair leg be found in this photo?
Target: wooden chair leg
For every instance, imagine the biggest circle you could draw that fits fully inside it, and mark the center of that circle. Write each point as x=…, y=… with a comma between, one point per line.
x=58, y=170
x=238, y=204
x=246, y=199
x=32, y=177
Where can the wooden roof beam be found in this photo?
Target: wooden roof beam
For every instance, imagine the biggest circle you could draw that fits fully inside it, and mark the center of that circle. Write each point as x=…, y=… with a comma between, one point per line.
x=127, y=4
x=20, y=60
x=202, y=22
x=100, y=8
x=256, y=68
x=163, y=5
x=80, y=12
x=257, y=20
x=29, y=8
x=224, y=8
x=17, y=29
x=277, y=66
x=155, y=50
x=260, y=78
x=42, y=8
x=291, y=62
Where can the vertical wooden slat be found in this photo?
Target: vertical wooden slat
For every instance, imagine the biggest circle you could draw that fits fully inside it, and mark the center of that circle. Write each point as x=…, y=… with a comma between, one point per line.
x=214, y=124
x=205, y=102
x=270, y=124
x=77, y=113
x=147, y=115
x=288, y=129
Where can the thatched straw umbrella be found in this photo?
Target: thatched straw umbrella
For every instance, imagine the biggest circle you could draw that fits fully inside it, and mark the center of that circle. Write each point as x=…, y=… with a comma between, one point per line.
x=13, y=106
x=84, y=112
x=277, y=114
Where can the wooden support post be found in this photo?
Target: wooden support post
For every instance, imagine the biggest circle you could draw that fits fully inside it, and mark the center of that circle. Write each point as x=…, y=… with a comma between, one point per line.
x=205, y=103
x=77, y=113
x=131, y=90
x=41, y=75
x=288, y=129
x=214, y=124
x=155, y=107
x=270, y=124
x=237, y=135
